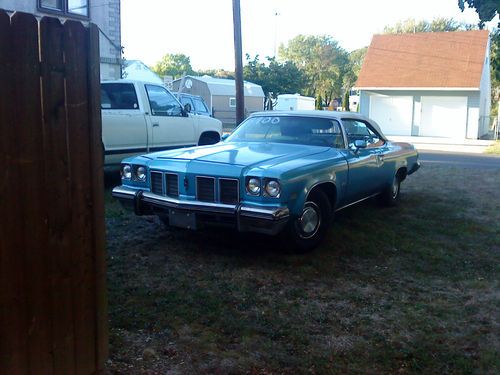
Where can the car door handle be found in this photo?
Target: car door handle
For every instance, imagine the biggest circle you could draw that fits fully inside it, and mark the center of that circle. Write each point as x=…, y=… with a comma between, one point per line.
x=156, y=125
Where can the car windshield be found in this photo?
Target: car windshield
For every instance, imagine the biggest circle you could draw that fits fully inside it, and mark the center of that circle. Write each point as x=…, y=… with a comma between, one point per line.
x=314, y=131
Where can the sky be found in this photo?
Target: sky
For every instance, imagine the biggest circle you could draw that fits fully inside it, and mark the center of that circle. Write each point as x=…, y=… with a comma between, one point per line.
x=203, y=29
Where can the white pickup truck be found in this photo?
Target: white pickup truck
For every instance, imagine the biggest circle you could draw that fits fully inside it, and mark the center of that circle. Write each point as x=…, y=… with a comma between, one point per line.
x=140, y=117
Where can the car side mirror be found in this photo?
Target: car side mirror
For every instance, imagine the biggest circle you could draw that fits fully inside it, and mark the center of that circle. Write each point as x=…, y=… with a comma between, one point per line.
x=360, y=143
x=224, y=137
x=187, y=108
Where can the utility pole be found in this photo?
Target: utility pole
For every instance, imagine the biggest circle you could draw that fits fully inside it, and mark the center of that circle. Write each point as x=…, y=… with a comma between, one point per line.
x=238, y=60
x=276, y=14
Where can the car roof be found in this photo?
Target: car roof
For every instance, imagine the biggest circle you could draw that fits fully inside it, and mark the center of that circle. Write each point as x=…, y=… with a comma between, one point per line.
x=185, y=94
x=336, y=115
x=311, y=113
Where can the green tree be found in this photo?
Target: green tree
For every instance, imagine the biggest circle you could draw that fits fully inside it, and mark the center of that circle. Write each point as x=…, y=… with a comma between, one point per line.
x=486, y=9
x=438, y=24
x=216, y=73
x=275, y=77
x=495, y=70
x=356, y=59
x=174, y=65
x=323, y=62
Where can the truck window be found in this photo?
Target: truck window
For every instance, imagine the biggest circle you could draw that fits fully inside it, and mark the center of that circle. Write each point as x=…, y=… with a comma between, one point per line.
x=184, y=100
x=162, y=102
x=200, y=106
x=118, y=96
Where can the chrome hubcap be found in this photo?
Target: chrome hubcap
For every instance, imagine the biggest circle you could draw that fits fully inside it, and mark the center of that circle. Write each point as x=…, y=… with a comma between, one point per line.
x=310, y=220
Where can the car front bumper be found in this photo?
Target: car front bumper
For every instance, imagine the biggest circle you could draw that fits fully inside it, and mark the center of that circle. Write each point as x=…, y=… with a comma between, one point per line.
x=414, y=168
x=246, y=218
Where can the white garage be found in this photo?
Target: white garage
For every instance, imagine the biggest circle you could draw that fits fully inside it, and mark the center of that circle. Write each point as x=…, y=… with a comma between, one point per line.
x=392, y=113
x=432, y=84
x=443, y=116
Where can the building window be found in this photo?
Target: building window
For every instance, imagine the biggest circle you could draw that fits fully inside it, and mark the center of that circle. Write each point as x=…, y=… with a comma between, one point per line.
x=232, y=102
x=69, y=7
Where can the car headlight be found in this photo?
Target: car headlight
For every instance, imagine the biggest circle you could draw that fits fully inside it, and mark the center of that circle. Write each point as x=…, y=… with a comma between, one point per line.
x=273, y=188
x=253, y=186
x=141, y=173
x=126, y=171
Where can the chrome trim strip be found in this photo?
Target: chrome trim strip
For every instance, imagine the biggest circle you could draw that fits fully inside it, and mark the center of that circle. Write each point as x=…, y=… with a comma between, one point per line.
x=272, y=213
x=276, y=213
x=353, y=203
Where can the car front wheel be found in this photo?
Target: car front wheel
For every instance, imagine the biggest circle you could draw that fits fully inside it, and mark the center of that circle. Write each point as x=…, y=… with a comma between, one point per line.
x=306, y=232
x=390, y=196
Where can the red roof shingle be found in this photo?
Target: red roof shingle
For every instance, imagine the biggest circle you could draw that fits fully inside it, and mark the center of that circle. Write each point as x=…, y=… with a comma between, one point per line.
x=421, y=60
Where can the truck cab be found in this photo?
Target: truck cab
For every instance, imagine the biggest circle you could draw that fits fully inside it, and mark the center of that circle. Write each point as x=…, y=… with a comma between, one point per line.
x=141, y=117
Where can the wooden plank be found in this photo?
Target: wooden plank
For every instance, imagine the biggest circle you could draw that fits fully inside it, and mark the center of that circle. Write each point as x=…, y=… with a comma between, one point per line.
x=13, y=338
x=97, y=188
x=28, y=314
x=29, y=185
x=84, y=287
x=58, y=176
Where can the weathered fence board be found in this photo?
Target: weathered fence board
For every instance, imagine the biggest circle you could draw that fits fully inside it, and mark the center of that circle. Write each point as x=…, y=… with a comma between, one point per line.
x=52, y=270
x=96, y=176
x=59, y=217
x=79, y=142
x=30, y=189
x=13, y=340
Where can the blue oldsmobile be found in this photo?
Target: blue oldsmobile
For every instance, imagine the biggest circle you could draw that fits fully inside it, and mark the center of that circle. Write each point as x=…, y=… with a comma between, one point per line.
x=278, y=172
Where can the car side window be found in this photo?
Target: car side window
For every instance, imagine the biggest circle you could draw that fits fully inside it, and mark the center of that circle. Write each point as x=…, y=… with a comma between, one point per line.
x=185, y=100
x=118, y=96
x=199, y=106
x=360, y=130
x=162, y=102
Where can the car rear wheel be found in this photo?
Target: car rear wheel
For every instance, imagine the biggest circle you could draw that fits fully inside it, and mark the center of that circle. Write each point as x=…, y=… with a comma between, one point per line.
x=390, y=196
x=306, y=232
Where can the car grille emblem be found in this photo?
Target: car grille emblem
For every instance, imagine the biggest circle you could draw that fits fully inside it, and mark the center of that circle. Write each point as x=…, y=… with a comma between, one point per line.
x=186, y=183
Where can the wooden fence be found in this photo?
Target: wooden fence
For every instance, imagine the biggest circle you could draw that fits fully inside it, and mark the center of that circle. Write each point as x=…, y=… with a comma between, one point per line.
x=53, y=316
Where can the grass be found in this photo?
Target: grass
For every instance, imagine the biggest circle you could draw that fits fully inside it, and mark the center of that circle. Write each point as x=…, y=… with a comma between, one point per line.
x=412, y=289
x=493, y=148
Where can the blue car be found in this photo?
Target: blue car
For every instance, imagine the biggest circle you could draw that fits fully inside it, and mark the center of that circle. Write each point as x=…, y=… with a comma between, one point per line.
x=278, y=173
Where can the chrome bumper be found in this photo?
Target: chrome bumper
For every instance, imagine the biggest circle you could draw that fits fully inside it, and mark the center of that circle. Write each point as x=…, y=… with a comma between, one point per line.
x=247, y=218
x=414, y=168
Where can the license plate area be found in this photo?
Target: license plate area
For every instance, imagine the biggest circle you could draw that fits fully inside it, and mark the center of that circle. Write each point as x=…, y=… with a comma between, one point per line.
x=182, y=219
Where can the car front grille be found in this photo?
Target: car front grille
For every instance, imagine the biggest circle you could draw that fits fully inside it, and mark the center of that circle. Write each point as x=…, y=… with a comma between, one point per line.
x=208, y=189
x=172, y=184
x=228, y=191
x=205, y=189
x=156, y=183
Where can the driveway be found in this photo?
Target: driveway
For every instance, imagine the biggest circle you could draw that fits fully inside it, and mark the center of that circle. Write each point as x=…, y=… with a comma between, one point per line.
x=470, y=146
x=460, y=159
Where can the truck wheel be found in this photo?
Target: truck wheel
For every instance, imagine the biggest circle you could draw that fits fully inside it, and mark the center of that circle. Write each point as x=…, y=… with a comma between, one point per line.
x=390, y=196
x=306, y=232
x=208, y=139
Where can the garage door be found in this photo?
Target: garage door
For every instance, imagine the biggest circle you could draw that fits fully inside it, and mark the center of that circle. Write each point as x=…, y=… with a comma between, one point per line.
x=392, y=113
x=443, y=116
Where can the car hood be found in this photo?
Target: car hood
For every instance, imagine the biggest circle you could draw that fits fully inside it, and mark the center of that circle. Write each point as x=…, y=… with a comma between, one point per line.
x=243, y=154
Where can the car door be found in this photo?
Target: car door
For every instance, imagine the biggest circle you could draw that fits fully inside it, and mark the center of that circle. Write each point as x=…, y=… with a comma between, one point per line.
x=171, y=126
x=124, y=126
x=365, y=173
